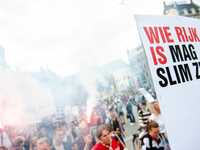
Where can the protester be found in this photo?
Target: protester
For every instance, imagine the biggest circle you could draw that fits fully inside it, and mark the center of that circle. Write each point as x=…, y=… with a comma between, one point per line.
x=100, y=121
x=83, y=117
x=18, y=143
x=85, y=141
x=33, y=145
x=106, y=141
x=130, y=113
x=75, y=121
x=59, y=144
x=74, y=130
x=43, y=133
x=30, y=134
x=120, y=112
x=14, y=135
x=44, y=144
x=143, y=114
x=68, y=135
x=115, y=123
x=156, y=116
x=152, y=140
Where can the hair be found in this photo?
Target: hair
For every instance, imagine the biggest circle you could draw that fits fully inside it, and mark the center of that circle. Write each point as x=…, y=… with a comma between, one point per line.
x=99, y=121
x=110, y=108
x=28, y=135
x=81, y=123
x=31, y=145
x=62, y=123
x=56, y=130
x=143, y=103
x=152, y=109
x=101, y=128
x=151, y=125
x=17, y=141
x=43, y=140
x=43, y=129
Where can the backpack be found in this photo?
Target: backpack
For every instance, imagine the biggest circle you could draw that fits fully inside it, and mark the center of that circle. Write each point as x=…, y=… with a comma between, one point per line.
x=150, y=139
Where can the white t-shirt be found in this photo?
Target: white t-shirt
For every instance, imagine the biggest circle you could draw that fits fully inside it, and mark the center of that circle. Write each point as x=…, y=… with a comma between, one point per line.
x=160, y=122
x=65, y=137
x=61, y=147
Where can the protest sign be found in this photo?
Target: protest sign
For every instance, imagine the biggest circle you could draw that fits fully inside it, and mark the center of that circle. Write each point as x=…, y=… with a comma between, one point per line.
x=57, y=117
x=6, y=140
x=46, y=107
x=172, y=47
x=75, y=110
x=146, y=95
x=68, y=114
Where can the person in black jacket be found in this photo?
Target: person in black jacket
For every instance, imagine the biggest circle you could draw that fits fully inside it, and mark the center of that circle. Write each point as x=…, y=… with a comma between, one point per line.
x=130, y=113
x=59, y=144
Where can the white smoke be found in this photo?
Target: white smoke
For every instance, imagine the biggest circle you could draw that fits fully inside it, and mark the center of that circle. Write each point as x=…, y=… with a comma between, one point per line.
x=19, y=95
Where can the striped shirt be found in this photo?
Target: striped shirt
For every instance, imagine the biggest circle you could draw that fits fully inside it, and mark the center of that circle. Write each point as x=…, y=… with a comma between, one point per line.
x=143, y=116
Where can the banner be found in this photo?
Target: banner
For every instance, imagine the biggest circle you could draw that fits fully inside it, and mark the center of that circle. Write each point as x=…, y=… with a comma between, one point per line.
x=172, y=47
x=146, y=95
x=68, y=114
x=6, y=140
x=75, y=110
x=46, y=107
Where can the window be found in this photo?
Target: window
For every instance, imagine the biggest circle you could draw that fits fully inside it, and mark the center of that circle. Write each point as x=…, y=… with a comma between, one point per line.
x=124, y=78
x=122, y=86
x=147, y=74
x=128, y=77
x=145, y=66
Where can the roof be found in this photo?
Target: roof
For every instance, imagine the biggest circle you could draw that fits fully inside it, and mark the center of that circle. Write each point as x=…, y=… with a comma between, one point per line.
x=180, y=7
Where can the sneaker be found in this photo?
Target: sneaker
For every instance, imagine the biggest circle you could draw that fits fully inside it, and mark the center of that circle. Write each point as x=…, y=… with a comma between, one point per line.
x=132, y=124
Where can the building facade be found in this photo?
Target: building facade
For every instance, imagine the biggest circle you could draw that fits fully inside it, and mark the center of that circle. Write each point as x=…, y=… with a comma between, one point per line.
x=124, y=80
x=139, y=66
x=184, y=9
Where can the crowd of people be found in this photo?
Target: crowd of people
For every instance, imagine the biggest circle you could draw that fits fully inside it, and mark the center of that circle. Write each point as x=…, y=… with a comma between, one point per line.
x=107, y=119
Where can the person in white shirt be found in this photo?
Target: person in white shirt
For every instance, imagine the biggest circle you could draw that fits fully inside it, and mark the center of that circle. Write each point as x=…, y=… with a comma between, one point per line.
x=68, y=135
x=156, y=116
x=59, y=143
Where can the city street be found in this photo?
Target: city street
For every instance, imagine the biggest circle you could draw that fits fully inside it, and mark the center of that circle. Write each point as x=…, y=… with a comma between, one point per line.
x=130, y=130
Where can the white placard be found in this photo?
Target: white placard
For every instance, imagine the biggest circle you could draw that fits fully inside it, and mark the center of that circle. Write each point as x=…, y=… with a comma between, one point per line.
x=68, y=114
x=147, y=95
x=75, y=110
x=6, y=141
x=46, y=107
x=172, y=47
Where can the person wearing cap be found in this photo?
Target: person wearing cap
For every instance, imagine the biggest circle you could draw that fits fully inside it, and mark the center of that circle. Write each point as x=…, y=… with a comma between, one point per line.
x=107, y=142
x=115, y=123
x=120, y=112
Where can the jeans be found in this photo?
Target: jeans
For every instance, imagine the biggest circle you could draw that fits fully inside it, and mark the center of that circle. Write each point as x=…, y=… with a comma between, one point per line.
x=121, y=138
x=132, y=118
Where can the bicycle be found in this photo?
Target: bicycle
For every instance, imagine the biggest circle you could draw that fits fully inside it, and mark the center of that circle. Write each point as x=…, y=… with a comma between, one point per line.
x=136, y=138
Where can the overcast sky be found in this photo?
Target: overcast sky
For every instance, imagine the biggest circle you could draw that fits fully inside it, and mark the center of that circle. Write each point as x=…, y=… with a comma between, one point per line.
x=63, y=34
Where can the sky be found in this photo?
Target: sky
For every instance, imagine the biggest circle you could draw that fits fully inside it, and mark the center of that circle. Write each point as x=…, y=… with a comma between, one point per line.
x=64, y=34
